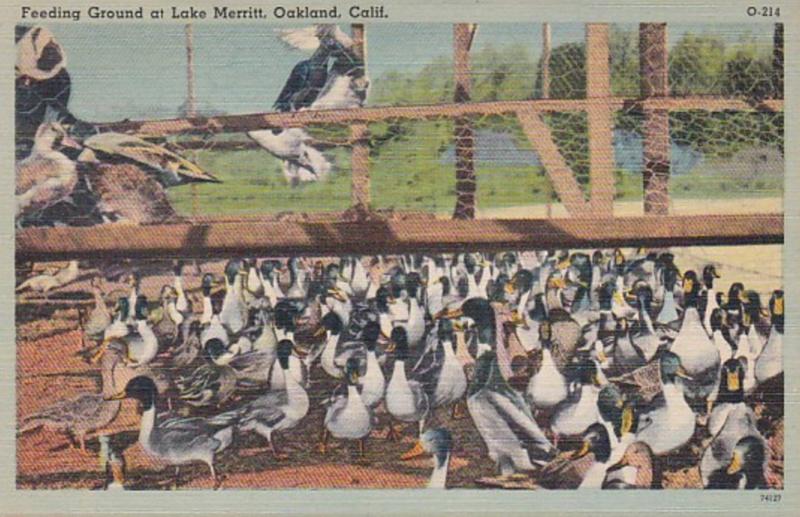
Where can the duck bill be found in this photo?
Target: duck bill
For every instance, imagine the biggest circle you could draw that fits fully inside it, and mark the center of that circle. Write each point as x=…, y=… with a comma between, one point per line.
x=683, y=374
x=450, y=314
x=509, y=288
x=320, y=331
x=416, y=451
x=736, y=464
x=627, y=421
x=583, y=451
x=115, y=396
x=68, y=141
x=733, y=381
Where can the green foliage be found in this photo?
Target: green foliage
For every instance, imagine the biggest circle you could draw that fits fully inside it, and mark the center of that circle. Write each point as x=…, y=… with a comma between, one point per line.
x=696, y=65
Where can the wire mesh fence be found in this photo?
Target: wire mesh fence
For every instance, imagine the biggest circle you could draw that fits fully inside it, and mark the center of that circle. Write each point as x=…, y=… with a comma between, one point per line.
x=722, y=155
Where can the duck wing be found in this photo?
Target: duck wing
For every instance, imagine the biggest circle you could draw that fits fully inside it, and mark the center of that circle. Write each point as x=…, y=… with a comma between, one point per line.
x=267, y=409
x=518, y=416
x=172, y=168
x=565, y=472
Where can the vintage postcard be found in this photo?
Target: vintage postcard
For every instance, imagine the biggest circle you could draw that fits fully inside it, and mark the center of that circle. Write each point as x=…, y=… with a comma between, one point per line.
x=388, y=247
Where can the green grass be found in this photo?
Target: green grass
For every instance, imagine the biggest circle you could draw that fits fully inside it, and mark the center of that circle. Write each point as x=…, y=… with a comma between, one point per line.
x=407, y=173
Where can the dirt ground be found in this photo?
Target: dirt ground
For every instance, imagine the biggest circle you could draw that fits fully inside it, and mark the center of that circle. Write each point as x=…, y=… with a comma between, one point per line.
x=49, y=369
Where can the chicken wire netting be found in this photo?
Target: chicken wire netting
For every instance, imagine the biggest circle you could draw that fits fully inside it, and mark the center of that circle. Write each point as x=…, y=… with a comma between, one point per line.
x=725, y=156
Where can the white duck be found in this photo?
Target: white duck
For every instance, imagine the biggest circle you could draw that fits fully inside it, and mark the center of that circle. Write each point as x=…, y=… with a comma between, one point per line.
x=547, y=387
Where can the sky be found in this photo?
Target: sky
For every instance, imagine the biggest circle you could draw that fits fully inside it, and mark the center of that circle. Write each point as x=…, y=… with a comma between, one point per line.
x=138, y=71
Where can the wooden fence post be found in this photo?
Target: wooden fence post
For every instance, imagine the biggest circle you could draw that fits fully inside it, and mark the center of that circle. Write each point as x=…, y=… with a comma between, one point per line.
x=547, y=41
x=600, y=121
x=653, y=67
x=359, y=161
x=464, y=135
x=777, y=60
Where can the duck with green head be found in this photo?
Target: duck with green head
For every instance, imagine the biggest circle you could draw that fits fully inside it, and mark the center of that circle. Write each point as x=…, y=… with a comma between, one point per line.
x=502, y=417
x=669, y=423
x=438, y=443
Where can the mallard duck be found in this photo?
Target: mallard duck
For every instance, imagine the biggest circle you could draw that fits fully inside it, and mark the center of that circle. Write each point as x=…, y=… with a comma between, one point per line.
x=579, y=410
x=636, y=469
x=182, y=302
x=746, y=467
x=438, y=443
x=99, y=318
x=373, y=383
x=548, y=386
x=627, y=356
x=720, y=459
x=642, y=334
x=669, y=423
x=730, y=394
x=770, y=362
x=504, y=421
x=668, y=315
x=268, y=271
x=354, y=273
x=46, y=282
x=297, y=279
x=189, y=347
x=584, y=467
x=451, y=381
x=133, y=281
x=720, y=335
x=212, y=383
x=168, y=327
x=697, y=354
x=708, y=296
x=347, y=416
x=233, y=314
x=83, y=414
x=177, y=441
x=47, y=175
x=276, y=410
x=406, y=399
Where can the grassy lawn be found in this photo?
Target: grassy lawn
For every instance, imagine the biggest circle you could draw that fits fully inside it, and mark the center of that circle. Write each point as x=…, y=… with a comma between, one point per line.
x=407, y=173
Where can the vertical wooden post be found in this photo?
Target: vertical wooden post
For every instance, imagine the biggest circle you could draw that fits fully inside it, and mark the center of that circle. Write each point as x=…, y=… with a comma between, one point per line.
x=359, y=133
x=191, y=101
x=547, y=42
x=464, y=136
x=655, y=83
x=777, y=60
x=600, y=121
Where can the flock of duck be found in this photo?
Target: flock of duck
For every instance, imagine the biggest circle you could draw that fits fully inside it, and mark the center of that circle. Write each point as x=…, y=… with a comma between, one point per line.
x=578, y=370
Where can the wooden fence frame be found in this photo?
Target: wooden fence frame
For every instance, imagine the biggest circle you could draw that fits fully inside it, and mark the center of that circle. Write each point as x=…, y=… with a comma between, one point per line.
x=594, y=215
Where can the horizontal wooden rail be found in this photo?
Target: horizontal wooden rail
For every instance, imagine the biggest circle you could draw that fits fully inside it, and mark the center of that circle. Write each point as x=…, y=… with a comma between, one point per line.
x=249, y=122
x=259, y=238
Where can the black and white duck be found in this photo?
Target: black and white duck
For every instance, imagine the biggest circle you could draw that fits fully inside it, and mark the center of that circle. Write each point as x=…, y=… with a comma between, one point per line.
x=347, y=417
x=724, y=456
x=697, y=354
x=406, y=399
x=177, y=441
x=770, y=362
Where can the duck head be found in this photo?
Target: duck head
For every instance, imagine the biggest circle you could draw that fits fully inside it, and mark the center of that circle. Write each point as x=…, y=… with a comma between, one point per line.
x=141, y=388
x=214, y=349
x=521, y=282
x=232, y=270
x=747, y=461
x=586, y=372
x=351, y=371
x=709, y=274
x=332, y=323
x=605, y=295
x=435, y=442
x=207, y=284
x=399, y=343
x=284, y=351
x=546, y=334
x=141, y=310
x=382, y=297
x=752, y=307
x=594, y=440
x=671, y=368
x=776, y=309
x=122, y=308
x=691, y=289
x=731, y=383
x=615, y=407
x=444, y=330
x=619, y=261
x=285, y=315
x=370, y=334
x=52, y=135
